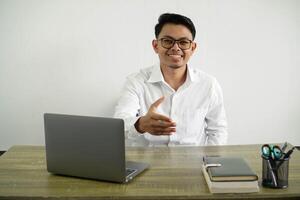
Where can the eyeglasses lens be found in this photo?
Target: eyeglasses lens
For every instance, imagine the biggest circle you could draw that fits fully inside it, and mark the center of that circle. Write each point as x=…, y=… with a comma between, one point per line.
x=182, y=44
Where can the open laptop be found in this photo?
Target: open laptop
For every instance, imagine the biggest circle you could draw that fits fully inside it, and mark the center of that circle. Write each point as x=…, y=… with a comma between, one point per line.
x=88, y=147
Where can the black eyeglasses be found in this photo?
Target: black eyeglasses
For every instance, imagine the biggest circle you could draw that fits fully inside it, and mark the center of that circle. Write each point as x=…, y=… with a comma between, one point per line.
x=168, y=43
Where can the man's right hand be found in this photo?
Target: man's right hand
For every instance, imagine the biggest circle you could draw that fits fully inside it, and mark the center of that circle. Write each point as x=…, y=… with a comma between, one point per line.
x=154, y=123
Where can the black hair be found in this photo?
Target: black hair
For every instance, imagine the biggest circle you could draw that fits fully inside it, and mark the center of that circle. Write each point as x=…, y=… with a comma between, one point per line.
x=172, y=18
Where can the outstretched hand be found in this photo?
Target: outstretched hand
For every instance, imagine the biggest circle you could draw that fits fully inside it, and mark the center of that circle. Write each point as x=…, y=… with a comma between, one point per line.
x=154, y=123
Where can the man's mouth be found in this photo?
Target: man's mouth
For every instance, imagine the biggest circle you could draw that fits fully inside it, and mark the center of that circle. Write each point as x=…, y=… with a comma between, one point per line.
x=175, y=55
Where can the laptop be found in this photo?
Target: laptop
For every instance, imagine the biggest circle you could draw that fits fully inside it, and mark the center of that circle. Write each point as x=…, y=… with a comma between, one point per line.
x=88, y=147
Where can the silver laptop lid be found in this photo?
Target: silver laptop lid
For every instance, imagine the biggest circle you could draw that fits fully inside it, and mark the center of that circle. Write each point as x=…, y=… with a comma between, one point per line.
x=89, y=147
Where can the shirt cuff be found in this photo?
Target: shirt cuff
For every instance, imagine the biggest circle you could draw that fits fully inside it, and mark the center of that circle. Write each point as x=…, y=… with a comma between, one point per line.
x=130, y=130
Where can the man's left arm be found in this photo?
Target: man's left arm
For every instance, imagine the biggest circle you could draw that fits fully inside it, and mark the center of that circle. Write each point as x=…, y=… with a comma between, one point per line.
x=216, y=129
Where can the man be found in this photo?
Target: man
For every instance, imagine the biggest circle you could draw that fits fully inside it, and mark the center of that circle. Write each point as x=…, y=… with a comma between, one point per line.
x=172, y=103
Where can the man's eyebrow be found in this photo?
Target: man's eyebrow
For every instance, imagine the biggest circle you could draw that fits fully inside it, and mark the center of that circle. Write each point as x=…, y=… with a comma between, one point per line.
x=182, y=38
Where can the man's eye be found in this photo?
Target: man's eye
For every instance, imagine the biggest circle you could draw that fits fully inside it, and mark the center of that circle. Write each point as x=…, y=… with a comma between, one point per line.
x=167, y=41
x=184, y=42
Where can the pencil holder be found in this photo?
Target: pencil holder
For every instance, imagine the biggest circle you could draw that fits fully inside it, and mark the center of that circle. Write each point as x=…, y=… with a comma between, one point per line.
x=275, y=173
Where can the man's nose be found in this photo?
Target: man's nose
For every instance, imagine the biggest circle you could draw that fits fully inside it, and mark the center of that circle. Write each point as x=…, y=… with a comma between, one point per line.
x=175, y=47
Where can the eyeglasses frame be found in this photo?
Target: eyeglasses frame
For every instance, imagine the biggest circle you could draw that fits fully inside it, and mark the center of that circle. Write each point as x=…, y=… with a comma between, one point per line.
x=176, y=41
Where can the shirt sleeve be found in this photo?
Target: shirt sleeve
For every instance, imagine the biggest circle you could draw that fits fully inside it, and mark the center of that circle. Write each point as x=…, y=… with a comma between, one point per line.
x=216, y=129
x=128, y=107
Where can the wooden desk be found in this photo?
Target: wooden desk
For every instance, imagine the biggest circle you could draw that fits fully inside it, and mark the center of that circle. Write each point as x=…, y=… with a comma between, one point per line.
x=174, y=174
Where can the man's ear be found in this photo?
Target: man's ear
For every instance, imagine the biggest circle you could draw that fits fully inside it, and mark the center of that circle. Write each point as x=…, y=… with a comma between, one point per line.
x=194, y=46
x=155, y=45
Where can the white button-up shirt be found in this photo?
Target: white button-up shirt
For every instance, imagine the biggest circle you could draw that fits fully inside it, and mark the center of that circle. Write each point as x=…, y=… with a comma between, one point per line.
x=196, y=107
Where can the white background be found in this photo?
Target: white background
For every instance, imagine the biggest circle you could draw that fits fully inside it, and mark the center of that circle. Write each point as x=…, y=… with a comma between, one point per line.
x=73, y=56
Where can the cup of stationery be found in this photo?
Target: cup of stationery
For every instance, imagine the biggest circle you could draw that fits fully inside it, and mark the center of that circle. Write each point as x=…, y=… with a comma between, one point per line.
x=275, y=165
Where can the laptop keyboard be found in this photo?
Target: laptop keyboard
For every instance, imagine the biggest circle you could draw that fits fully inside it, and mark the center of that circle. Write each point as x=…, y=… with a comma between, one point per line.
x=130, y=171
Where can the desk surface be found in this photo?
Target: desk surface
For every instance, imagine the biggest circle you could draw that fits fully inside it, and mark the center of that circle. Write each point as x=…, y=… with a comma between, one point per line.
x=174, y=174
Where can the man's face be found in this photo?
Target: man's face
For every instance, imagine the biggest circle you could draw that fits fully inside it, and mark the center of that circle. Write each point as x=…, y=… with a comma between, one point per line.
x=174, y=56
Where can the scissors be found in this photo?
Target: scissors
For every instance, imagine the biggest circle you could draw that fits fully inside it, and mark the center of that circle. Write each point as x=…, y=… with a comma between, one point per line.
x=271, y=152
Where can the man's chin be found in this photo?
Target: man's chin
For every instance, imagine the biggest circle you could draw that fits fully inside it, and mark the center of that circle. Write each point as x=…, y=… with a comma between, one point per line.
x=175, y=66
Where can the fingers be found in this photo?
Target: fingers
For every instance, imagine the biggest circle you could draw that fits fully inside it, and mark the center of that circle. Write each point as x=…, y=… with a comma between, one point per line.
x=163, y=131
x=160, y=127
x=163, y=124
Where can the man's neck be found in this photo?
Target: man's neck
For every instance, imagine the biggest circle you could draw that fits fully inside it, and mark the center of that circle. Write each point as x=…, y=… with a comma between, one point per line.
x=175, y=77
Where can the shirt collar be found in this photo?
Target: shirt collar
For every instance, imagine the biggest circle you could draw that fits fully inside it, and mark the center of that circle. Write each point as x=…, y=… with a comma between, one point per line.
x=157, y=76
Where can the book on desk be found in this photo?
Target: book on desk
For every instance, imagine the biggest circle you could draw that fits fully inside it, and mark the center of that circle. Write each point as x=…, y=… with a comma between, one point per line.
x=229, y=175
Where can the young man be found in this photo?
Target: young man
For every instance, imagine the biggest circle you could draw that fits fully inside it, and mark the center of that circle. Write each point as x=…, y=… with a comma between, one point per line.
x=172, y=103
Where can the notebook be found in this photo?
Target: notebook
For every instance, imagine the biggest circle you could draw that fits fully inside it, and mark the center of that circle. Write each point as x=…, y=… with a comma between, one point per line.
x=88, y=147
x=229, y=175
x=229, y=186
x=230, y=169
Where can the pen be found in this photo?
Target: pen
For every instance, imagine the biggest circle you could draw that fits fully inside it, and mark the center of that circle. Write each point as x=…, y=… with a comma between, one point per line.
x=284, y=147
x=287, y=155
